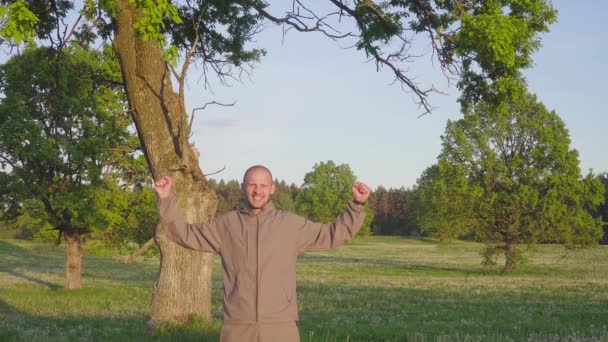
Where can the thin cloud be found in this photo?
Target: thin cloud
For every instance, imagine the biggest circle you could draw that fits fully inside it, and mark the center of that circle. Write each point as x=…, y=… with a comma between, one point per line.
x=221, y=123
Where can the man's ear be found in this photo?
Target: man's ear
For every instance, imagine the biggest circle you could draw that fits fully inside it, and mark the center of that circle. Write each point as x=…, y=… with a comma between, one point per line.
x=272, y=188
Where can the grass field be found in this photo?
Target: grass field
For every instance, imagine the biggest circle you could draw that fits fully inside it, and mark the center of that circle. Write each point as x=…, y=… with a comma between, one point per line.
x=374, y=289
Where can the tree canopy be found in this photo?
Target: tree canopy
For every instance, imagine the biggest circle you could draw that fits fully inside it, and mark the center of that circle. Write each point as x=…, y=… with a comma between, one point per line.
x=507, y=175
x=61, y=120
x=483, y=45
x=65, y=150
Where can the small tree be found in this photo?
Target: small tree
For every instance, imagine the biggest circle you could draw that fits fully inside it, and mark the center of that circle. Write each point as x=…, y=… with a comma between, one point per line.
x=507, y=175
x=325, y=193
x=61, y=119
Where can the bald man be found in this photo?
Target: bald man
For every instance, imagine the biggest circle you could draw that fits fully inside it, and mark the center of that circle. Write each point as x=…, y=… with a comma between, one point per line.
x=259, y=246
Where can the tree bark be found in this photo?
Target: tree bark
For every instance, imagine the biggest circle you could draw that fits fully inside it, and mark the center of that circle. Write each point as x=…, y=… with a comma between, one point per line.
x=184, y=283
x=73, y=260
x=510, y=252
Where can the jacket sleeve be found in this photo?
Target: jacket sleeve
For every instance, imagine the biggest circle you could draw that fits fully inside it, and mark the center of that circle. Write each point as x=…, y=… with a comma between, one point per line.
x=203, y=236
x=313, y=236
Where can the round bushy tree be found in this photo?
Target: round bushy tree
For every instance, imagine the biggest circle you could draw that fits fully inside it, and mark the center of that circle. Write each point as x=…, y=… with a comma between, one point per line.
x=325, y=193
x=63, y=136
x=507, y=175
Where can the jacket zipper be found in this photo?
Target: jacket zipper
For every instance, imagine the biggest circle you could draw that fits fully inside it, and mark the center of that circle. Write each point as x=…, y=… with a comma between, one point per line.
x=257, y=271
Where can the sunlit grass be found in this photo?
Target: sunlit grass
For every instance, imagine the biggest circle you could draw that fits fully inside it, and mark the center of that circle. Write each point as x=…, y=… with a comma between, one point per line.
x=374, y=289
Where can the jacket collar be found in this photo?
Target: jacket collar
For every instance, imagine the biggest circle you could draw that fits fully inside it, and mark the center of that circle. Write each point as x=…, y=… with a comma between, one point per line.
x=246, y=210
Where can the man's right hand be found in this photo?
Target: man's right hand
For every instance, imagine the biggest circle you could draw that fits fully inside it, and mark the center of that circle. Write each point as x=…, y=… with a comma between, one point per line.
x=163, y=187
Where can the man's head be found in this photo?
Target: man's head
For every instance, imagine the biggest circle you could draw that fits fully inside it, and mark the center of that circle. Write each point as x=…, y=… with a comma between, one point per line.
x=257, y=186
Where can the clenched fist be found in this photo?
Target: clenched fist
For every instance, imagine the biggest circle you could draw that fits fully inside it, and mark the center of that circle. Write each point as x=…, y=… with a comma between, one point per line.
x=361, y=192
x=163, y=187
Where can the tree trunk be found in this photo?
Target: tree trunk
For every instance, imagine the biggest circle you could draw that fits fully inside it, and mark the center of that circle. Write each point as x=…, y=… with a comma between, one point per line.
x=183, y=287
x=510, y=255
x=73, y=260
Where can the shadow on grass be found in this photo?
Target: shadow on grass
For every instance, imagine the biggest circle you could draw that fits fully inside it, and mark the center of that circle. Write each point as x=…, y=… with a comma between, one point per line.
x=8, y=249
x=51, y=261
x=48, y=284
x=22, y=326
x=63, y=323
x=397, y=266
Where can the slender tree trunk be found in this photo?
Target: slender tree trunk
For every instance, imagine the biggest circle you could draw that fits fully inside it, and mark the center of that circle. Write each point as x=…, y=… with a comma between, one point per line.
x=183, y=287
x=73, y=260
x=510, y=253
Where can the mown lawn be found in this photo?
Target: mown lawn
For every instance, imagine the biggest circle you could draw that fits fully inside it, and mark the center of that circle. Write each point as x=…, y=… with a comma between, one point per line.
x=374, y=289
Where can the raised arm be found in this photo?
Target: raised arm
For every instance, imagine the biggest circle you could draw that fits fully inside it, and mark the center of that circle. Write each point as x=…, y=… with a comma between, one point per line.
x=318, y=236
x=203, y=236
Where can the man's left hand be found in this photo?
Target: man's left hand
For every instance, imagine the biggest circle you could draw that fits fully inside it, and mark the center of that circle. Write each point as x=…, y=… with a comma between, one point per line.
x=361, y=192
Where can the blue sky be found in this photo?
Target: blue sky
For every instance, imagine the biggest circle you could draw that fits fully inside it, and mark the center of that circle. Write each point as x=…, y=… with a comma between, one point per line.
x=312, y=100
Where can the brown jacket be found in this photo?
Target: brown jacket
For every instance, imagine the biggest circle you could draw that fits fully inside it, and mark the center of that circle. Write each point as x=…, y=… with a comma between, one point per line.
x=259, y=254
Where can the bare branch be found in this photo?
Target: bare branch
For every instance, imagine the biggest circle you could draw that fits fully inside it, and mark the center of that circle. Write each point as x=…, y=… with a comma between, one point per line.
x=129, y=258
x=128, y=149
x=203, y=108
x=309, y=21
x=173, y=71
x=8, y=161
x=294, y=20
x=196, y=24
x=216, y=172
x=67, y=38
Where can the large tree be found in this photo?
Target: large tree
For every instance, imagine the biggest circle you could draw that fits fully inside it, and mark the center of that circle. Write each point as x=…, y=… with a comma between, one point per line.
x=507, y=175
x=62, y=118
x=485, y=42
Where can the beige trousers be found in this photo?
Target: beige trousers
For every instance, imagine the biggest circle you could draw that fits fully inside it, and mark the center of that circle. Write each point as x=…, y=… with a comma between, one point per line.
x=261, y=332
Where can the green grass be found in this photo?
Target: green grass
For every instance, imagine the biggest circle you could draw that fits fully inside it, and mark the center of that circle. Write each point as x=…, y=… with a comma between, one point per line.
x=374, y=289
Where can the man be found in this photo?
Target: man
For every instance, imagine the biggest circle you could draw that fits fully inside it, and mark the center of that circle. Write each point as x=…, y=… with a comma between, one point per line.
x=259, y=246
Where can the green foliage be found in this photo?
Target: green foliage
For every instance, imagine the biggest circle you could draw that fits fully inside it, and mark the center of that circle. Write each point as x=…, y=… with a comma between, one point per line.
x=325, y=193
x=433, y=205
x=151, y=25
x=131, y=214
x=392, y=214
x=34, y=224
x=23, y=20
x=64, y=140
x=495, y=42
x=602, y=210
x=285, y=195
x=484, y=43
x=228, y=195
x=506, y=175
x=17, y=22
x=488, y=42
x=215, y=30
x=225, y=29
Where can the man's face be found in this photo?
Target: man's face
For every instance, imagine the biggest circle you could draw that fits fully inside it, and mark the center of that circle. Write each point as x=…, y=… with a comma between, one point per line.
x=258, y=187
